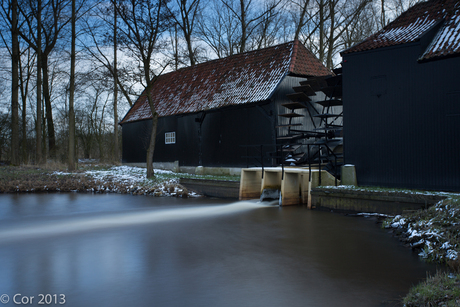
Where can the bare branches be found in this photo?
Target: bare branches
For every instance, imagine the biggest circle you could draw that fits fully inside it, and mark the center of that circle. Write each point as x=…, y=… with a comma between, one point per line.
x=189, y=11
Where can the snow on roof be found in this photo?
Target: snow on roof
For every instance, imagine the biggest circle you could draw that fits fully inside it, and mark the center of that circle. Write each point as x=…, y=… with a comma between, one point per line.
x=447, y=40
x=414, y=23
x=239, y=79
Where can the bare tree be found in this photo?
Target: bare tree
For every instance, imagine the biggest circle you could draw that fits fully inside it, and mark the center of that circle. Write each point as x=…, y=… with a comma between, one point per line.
x=144, y=23
x=115, y=87
x=38, y=122
x=96, y=40
x=9, y=13
x=249, y=18
x=269, y=31
x=5, y=133
x=93, y=123
x=326, y=23
x=188, y=11
x=15, y=57
x=234, y=26
x=299, y=11
x=364, y=26
x=55, y=20
x=25, y=73
x=219, y=30
x=174, y=37
x=72, y=156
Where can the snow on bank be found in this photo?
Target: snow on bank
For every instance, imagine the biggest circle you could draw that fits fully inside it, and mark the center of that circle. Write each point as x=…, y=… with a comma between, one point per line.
x=433, y=231
x=129, y=179
x=388, y=190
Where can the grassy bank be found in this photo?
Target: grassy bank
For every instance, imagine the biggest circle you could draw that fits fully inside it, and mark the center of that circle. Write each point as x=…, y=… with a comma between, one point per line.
x=94, y=178
x=435, y=234
x=442, y=289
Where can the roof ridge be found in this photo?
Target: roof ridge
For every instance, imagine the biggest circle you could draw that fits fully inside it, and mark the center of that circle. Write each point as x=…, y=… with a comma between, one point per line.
x=226, y=58
x=293, y=55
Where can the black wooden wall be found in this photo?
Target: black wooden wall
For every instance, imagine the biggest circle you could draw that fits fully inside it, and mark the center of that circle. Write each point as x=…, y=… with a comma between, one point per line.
x=401, y=118
x=209, y=138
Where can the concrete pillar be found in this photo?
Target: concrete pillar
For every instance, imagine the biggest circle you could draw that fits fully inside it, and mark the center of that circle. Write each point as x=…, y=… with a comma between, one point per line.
x=250, y=183
x=349, y=175
x=290, y=189
x=199, y=170
x=176, y=167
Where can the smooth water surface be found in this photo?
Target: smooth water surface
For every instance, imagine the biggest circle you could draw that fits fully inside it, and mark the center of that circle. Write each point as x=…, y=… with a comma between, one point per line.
x=122, y=250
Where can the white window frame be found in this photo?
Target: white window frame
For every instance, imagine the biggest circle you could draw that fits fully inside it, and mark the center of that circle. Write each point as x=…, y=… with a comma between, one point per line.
x=170, y=137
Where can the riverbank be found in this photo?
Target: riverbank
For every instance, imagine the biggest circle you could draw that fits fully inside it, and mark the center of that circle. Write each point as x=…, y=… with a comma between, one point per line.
x=93, y=178
x=435, y=234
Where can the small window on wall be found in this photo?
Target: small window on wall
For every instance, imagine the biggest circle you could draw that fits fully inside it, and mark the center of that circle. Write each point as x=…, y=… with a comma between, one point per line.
x=170, y=138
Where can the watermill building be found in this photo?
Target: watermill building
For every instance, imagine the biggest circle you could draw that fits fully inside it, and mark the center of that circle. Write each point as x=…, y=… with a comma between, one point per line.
x=401, y=98
x=220, y=113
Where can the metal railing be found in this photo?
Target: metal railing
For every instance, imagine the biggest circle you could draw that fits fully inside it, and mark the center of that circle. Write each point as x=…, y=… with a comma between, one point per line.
x=265, y=152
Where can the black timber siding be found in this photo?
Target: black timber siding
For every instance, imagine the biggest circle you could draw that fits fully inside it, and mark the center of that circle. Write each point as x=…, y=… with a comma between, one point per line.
x=209, y=138
x=401, y=118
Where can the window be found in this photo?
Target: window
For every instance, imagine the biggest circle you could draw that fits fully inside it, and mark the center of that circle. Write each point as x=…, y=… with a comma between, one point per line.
x=170, y=138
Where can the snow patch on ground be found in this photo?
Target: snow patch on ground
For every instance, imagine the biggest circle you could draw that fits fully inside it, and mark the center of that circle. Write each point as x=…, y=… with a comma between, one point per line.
x=429, y=231
x=131, y=179
x=387, y=190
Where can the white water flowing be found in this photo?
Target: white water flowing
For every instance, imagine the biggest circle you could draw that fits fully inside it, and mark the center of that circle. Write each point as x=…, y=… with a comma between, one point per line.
x=87, y=223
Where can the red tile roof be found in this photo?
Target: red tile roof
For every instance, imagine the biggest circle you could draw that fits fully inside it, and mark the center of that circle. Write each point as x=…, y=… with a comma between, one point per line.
x=243, y=78
x=413, y=23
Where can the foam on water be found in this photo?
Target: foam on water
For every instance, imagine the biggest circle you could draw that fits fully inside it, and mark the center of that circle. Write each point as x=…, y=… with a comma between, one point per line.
x=88, y=223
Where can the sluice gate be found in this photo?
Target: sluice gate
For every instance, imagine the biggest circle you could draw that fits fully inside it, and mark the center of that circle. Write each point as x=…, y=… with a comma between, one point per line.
x=293, y=184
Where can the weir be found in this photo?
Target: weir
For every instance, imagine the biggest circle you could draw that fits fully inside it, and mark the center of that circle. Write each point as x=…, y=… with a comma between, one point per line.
x=294, y=184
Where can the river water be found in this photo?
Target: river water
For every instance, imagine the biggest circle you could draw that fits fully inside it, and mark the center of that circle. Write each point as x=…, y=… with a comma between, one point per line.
x=122, y=250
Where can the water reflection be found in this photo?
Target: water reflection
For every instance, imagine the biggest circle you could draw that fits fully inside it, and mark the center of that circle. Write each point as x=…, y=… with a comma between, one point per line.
x=246, y=255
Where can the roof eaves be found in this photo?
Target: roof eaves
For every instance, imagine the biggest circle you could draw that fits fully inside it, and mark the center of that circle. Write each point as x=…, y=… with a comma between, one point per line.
x=438, y=57
x=345, y=51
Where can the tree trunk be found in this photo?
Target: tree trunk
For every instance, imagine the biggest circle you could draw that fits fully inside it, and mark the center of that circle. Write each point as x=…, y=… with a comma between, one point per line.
x=331, y=40
x=153, y=134
x=72, y=158
x=24, y=88
x=301, y=20
x=321, y=31
x=175, y=46
x=151, y=149
x=383, y=13
x=24, y=130
x=244, y=27
x=49, y=111
x=38, y=123
x=191, y=54
x=15, y=156
x=115, y=89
